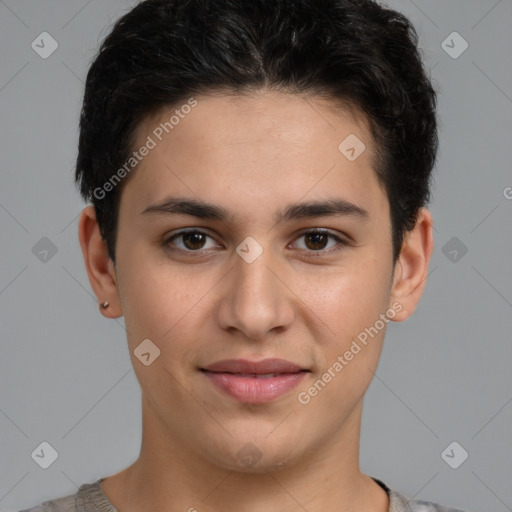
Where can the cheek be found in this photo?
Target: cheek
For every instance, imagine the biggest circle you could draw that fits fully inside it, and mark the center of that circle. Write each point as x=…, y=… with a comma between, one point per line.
x=352, y=308
x=159, y=301
x=348, y=299
x=159, y=306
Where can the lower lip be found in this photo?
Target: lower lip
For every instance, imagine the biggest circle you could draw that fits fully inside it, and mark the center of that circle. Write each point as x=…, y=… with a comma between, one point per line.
x=254, y=390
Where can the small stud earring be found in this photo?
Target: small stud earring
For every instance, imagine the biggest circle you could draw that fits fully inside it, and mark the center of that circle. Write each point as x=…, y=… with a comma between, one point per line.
x=105, y=305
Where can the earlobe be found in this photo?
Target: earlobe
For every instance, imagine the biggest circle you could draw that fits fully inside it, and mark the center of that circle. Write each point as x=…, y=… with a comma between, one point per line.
x=99, y=266
x=411, y=269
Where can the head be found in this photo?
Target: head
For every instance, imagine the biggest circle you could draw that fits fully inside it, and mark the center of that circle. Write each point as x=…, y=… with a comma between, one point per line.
x=248, y=106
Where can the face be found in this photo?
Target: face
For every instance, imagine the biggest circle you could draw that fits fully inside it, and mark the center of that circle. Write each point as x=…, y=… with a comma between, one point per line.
x=282, y=251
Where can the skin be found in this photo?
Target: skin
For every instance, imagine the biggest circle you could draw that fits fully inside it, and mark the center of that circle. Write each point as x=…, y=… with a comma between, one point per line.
x=253, y=155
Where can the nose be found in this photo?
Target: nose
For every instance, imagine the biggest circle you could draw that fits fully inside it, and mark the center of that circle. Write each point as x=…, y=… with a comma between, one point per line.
x=255, y=299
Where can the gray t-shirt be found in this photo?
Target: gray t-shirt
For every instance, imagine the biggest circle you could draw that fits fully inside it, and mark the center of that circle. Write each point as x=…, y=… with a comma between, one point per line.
x=90, y=498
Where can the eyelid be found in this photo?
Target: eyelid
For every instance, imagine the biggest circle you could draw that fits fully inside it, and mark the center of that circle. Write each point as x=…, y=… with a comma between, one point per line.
x=166, y=242
x=341, y=241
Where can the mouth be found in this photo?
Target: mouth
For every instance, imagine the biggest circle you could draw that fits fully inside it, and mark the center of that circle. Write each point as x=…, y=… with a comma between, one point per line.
x=255, y=382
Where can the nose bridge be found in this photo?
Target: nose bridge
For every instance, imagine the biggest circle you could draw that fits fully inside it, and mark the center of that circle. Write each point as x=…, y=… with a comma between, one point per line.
x=255, y=301
x=255, y=280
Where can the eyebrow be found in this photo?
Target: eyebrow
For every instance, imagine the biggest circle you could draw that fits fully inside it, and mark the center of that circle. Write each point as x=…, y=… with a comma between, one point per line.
x=203, y=210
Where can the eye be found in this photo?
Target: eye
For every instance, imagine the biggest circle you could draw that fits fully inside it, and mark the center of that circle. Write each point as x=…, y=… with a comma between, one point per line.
x=191, y=241
x=317, y=240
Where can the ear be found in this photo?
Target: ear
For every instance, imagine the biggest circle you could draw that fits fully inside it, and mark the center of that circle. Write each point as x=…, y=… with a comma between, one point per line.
x=411, y=268
x=99, y=266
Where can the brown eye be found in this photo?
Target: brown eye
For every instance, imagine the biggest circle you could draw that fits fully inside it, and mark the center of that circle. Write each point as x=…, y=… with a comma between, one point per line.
x=189, y=241
x=316, y=240
x=193, y=240
x=320, y=241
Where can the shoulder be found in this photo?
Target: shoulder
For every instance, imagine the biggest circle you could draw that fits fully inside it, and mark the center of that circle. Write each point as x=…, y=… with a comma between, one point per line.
x=88, y=498
x=400, y=502
x=64, y=504
x=429, y=506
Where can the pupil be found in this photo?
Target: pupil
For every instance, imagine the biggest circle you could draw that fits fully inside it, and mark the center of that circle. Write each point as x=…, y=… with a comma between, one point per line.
x=317, y=240
x=193, y=240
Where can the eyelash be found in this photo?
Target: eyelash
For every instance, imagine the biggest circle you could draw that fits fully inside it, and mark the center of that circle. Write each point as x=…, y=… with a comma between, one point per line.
x=312, y=253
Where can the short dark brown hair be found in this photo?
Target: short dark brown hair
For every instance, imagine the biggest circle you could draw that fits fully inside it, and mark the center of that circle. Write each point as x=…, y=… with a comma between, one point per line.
x=359, y=52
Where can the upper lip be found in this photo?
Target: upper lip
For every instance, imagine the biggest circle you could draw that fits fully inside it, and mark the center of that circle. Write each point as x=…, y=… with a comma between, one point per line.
x=257, y=367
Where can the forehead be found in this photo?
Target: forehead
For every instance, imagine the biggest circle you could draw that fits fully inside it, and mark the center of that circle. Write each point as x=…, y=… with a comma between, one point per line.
x=295, y=119
x=270, y=145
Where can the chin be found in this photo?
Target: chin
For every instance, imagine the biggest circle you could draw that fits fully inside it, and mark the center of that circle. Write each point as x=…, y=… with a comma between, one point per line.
x=257, y=456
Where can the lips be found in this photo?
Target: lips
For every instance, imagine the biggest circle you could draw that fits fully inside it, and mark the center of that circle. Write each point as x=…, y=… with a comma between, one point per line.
x=255, y=382
x=265, y=367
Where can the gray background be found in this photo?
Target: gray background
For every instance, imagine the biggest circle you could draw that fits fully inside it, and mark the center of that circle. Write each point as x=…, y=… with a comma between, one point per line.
x=444, y=374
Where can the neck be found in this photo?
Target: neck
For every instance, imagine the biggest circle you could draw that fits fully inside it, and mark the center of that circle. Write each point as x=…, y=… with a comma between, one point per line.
x=171, y=476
